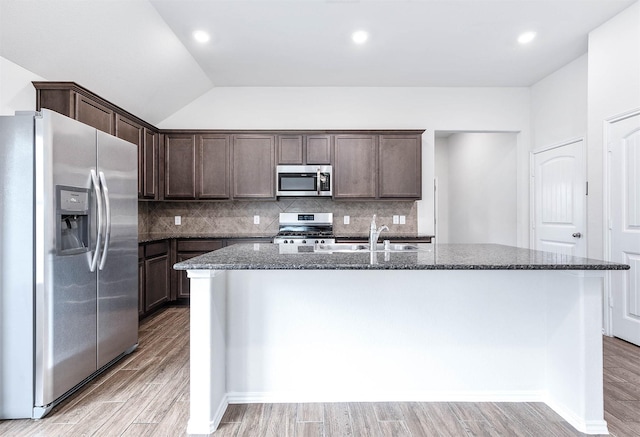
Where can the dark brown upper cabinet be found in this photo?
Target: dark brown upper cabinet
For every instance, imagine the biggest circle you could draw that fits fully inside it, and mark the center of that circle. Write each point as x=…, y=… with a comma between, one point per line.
x=133, y=132
x=304, y=149
x=74, y=101
x=318, y=148
x=253, y=166
x=355, y=167
x=147, y=142
x=400, y=167
x=90, y=112
x=218, y=165
x=213, y=166
x=148, y=166
x=290, y=149
x=180, y=166
x=196, y=166
x=385, y=166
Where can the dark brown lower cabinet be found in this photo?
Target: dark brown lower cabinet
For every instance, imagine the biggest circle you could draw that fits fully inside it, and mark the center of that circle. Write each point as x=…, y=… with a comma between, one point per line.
x=155, y=272
x=190, y=248
x=158, y=282
x=140, y=281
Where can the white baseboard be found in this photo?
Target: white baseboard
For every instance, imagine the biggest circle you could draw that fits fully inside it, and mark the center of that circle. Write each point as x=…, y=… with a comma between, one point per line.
x=587, y=427
x=210, y=427
x=292, y=397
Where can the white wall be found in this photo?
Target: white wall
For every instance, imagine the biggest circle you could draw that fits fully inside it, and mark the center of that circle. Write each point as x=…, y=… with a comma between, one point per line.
x=457, y=109
x=613, y=88
x=441, y=162
x=16, y=91
x=559, y=105
x=481, y=189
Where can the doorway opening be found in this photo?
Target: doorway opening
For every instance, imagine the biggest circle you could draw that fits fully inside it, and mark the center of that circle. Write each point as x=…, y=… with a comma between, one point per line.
x=476, y=187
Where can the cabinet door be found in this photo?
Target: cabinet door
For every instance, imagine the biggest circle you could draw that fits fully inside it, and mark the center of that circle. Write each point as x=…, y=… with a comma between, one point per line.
x=141, y=300
x=187, y=249
x=290, y=149
x=400, y=164
x=149, y=167
x=183, y=280
x=254, y=166
x=355, y=167
x=94, y=114
x=132, y=132
x=156, y=282
x=319, y=149
x=213, y=167
x=180, y=167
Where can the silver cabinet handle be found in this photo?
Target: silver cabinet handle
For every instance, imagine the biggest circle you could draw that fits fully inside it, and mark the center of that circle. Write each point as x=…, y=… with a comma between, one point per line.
x=107, y=204
x=577, y=235
x=98, y=193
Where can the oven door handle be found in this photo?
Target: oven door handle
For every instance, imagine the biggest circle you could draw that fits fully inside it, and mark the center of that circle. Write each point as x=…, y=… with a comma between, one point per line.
x=318, y=182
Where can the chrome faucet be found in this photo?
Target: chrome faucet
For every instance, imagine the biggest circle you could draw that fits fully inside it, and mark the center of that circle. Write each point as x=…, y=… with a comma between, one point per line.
x=374, y=233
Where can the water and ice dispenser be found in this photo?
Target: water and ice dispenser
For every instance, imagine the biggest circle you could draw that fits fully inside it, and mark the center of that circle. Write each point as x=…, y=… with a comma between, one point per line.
x=73, y=220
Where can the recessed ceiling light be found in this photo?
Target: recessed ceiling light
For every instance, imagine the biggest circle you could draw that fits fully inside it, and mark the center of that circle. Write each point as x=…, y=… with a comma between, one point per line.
x=526, y=37
x=201, y=36
x=359, y=37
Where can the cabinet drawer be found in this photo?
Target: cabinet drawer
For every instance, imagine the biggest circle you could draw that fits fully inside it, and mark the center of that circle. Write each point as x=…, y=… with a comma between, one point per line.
x=156, y=249
x=199, y=245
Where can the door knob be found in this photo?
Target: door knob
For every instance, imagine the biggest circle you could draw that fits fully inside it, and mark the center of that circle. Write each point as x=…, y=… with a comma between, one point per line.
x=577, y=235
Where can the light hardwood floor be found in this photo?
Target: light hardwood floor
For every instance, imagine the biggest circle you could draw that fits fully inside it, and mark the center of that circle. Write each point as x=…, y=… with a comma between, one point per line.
x=147, y=394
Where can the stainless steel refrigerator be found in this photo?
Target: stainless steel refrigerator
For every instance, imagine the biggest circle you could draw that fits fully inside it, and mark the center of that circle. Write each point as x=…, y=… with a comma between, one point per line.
x=68, y=258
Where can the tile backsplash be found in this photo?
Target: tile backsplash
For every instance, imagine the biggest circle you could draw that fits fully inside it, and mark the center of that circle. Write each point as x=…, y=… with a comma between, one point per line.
x=237, y=218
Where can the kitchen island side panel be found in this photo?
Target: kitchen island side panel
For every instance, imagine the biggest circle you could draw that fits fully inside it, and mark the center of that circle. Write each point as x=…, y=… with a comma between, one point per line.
x=342, y=336
x=435, y=335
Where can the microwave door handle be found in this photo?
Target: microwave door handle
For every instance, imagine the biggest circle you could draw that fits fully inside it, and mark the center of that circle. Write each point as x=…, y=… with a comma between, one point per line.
x=98, y=193
x=318, y=183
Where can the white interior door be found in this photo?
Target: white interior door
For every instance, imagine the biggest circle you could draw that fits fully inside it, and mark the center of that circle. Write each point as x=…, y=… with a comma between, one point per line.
x=624, y=225
x=559, y=199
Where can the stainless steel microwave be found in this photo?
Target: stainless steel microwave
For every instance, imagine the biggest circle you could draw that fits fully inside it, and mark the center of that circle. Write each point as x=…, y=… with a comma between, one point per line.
x=304, y=180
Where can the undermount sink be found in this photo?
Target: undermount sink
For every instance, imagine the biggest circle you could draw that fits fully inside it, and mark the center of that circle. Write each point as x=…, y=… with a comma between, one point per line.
x=362, y=247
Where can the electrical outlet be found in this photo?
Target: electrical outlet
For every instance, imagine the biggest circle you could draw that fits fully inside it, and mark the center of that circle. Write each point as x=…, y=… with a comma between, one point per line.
x=177, y=220
x=347, y=219
x=256, y=219
x=403, y=220
x=396, y=219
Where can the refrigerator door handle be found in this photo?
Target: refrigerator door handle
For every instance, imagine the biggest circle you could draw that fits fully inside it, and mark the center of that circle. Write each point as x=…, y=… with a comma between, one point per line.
x=107, y=204
x=98, y=192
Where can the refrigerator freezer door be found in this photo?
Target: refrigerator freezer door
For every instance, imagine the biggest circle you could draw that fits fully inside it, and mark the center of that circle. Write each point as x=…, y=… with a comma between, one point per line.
x=65, y=291
x=118, y=273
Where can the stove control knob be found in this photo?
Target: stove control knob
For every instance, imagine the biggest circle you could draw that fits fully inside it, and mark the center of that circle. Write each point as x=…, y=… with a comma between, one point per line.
x=304, y=241
x=322, y=241
x=291, y=241
x=317, y=241
x=285, y=241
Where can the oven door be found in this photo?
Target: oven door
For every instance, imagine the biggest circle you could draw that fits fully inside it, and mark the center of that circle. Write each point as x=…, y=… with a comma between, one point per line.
x=303, y=181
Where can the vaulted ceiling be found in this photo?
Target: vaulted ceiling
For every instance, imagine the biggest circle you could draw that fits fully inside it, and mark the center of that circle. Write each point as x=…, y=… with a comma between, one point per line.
x=140, y=54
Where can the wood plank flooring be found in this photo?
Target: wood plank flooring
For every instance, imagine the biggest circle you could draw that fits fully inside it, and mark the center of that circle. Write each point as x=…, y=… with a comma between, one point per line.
x=147, y=394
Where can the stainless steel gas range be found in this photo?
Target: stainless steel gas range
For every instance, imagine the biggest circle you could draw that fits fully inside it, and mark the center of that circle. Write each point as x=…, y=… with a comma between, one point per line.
x=305, y=229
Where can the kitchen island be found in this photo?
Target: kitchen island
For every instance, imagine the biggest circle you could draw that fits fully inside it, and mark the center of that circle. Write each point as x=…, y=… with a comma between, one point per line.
x=444, y=323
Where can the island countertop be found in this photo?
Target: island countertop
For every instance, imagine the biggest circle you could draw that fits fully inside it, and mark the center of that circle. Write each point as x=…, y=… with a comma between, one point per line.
x=268, y=256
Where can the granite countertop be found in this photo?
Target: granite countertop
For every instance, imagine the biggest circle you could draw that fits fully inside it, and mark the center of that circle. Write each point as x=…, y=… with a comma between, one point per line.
x=269, y=256
x=385, y=236
x=158, y=236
